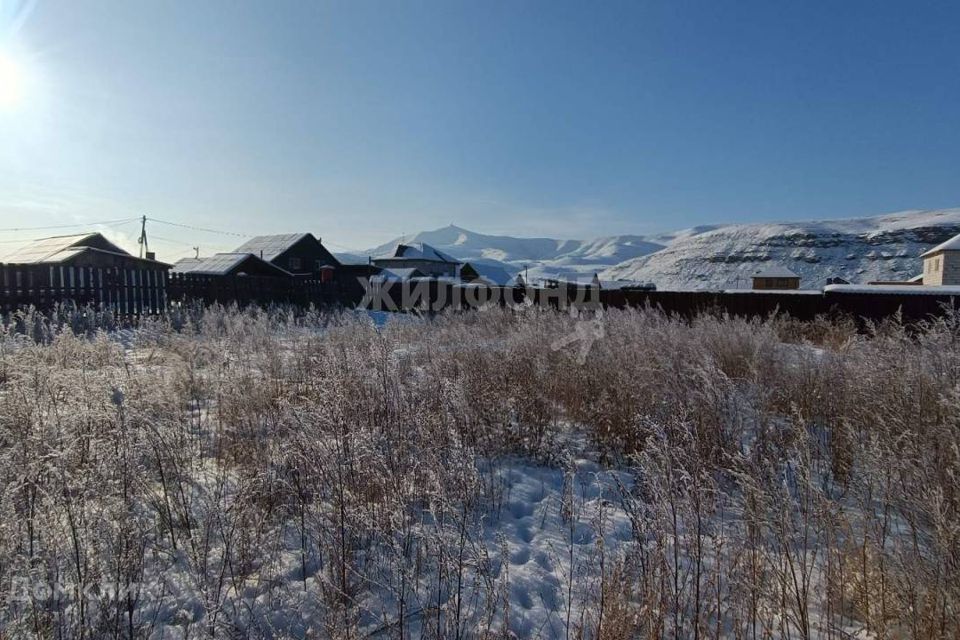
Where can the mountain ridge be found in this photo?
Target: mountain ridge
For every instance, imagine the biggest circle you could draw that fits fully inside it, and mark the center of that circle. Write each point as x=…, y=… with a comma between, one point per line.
x=858, y=249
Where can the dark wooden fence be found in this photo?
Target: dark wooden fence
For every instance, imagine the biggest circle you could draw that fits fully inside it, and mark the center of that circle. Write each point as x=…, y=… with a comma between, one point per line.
x=128, y=291
x=862, y=305
x=139, y=291
x=805, y=305
x=246, y=289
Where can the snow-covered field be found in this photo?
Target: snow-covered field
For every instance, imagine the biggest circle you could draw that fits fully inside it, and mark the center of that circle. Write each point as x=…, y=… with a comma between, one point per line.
x=254, y=475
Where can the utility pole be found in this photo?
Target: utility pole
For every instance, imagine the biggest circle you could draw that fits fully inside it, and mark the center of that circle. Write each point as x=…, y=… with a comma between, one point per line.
x=143, y=236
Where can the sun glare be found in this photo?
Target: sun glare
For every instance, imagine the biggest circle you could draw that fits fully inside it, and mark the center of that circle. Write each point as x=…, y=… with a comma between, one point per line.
x=11, y=84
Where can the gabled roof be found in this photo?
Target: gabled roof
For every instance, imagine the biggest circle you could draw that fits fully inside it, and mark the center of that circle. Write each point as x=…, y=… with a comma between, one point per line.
x=269, y=247
x=221, y=264
x=775, y=271
x=953, y=244
x=492, y=274
x=419, y=251
x=47, y=249
x=399, y=274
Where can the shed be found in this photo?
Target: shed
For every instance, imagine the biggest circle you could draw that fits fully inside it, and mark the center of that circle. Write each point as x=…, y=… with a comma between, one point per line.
x=776, y=277
x=941, y=264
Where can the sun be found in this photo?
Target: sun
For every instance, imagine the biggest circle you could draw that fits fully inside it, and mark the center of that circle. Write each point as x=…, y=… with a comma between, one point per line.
x=11, y=83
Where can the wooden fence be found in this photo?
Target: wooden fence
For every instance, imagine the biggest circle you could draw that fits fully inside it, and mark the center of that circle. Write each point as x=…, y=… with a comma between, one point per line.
x=247, y=289
x=126, y=290
x=135, y=290
x=805, y=305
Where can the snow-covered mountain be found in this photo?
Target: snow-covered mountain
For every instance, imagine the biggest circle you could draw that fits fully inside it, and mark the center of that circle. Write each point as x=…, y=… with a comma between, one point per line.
x=541, y=256
x=883, y=247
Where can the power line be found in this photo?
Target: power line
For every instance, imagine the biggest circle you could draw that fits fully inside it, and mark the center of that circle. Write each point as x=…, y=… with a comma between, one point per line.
x=188, y=226
x=70, y=226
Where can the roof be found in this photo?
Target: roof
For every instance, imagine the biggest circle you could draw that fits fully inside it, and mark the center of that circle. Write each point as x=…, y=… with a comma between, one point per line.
x=953, y=244
x=269, y=247
x=419, y=251
x=627, y=284
x=398, y=274
x=912, y=289
x=775, y=271
x=219, y=264
x=492, y=274
x=47, y=249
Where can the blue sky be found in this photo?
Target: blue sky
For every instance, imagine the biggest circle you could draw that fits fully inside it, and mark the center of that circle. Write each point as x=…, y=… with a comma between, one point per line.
x=361, y=121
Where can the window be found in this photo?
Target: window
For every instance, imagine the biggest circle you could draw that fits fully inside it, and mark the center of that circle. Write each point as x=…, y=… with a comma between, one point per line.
x=936, y=264
x=295, y=264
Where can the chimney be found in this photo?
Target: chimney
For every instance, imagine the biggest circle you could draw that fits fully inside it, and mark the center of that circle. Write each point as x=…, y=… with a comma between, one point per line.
x=151, y=255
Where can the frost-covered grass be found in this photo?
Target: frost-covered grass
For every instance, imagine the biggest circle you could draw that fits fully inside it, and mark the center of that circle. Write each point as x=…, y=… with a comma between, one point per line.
x=253, y=474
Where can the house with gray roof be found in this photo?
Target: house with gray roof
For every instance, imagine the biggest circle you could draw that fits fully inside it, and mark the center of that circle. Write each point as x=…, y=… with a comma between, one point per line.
x=298, y=253
x=229, y=264
x=421, y=256
x=775, y=277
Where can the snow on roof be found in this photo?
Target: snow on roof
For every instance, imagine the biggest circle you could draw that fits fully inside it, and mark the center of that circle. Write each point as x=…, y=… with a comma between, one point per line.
x=923, y=290
x=492, y=274
x=46, y=249
x=626, y=284
x=419, y=251
x=916, y=278
x=269, y=247
x=953, y=244
x=775, y=271
x=398, y=274
x=218, y=264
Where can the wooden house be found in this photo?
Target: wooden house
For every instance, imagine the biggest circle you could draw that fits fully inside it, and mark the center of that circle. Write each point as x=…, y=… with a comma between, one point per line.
x=299, y=253
x=421, y=256
x=83, y=268
x=776, y=277
x=236, y=277
x=223, y=265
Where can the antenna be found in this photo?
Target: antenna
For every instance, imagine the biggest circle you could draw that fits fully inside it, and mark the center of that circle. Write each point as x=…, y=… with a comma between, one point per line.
x=143, y=236
x=196, y=251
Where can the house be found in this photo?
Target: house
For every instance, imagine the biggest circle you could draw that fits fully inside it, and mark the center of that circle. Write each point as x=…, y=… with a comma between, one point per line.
x=421, y=256
x=85, y=268
x=776, y=277
x=229, y=264
x=941, y=265
x=298, y=253
x=397, y=274
x=488, y=274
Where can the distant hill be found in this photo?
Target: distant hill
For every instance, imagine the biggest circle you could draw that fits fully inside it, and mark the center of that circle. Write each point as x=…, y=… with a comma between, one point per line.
x=542, y=256
x=885, y=247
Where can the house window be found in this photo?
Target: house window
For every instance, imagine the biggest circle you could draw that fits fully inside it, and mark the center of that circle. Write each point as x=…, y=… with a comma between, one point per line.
x=936, y=264
x=295, y=264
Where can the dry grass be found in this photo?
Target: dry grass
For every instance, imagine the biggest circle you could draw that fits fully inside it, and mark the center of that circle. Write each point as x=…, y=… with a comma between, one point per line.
x=792, y=480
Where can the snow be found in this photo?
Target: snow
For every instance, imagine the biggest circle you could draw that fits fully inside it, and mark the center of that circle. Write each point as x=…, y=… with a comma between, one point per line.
x=542, y=257
x=775, y=271
x=418, y=251
x=886, y=247
x=953, y=244
x=899, y=289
